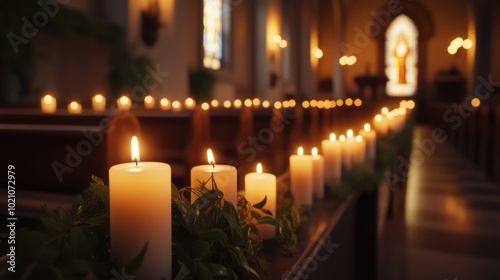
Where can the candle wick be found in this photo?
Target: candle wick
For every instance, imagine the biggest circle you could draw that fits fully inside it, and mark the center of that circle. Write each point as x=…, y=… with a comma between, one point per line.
x=136, y=164
x=213, y=164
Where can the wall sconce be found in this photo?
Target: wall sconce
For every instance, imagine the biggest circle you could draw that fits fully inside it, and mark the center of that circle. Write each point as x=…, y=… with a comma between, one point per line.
x=150, y=23
x=457, y=43
x=317, y=53
x=347, y=60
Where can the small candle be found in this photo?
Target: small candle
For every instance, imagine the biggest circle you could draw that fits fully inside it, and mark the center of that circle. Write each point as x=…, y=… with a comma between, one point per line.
x=370, y=137
x=98, y=103
x=225, y=176
x=176, y=106
x=164, y=104
x=74, y=108
x=301, y=178
x=346, y=151
x=332, y=151
x=257, y=186
x=140, y=213
x=190, y=103
x=149, y=102
x=359, y=149
x=318, y=174
x=48, y=104
x=380, y=124
x=124, y=103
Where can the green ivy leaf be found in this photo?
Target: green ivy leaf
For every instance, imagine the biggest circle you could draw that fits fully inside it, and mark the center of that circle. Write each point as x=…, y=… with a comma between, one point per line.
x=102, y=193
x=268, y=220
x=215, y=235
x=201, y=249
x=261, y=204
x=184, y=272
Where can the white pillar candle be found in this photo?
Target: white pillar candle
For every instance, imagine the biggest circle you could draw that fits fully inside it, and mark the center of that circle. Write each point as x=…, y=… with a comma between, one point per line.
x=257, y=186
x=98, y=103
x=318, y=174
x=347, y=149
x=370, y=137
x=301, y=172
x=332, y=152
x=140, y=212
x=48, y=104
x=225, y=176
x=124, y=102
x=360, y=149
x=149, y=102
x=380, y=124
x=74, y=108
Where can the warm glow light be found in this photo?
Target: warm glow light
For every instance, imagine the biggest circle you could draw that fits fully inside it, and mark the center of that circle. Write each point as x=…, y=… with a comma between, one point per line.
x=378, y=118
x=190, y=103
x=305, y=104
x=210, y=157
x=332, y=137
x=176, y=105
x=259, y=168
x=124, y=100
x=134, y=143
x=452, y=49
x=286, y=104
x=73, y=105
x=283, y=44
x=276, y=38
x=457, y=42
x=320, y=104
x=351, y=60
x=237, y=103
x=328, y=104
x=265, y=104
x=227, y=104
x=343, y=60
x=293, y=103
x=333, y=104
x=342, y=138
x=367, y=127
x=350, y=133
x=314, y=103
x=467, y=44
x=214, y=103
x=384, y=111
x=402, y=111
x=164, y=103
x=358, y=102
x=300, y=151
x=277, y=105
x=318, y=53
x=205, y=106
x=402, y=104
x=390, y=116
x=410, y=104
x=348, y=102
x=475, y=102
x=340, y=102
x=48, y=99
x=248, y=103
x=98, y=98
x=256, y=102
x=314, y=151
x=359, y=138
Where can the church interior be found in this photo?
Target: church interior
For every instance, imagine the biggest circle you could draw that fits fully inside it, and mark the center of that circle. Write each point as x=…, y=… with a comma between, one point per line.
x=250, y=139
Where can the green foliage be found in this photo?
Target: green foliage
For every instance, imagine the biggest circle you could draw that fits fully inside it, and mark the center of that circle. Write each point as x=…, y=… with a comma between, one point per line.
x=201, y=83
x=289, y=217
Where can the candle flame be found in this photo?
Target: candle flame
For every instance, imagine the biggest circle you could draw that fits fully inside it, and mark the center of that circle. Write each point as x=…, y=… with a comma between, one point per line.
x=73, y=105
x=98, y=98
x=378, y=118
x=342, y=138
x=300, y=151
x=359, y=138
x=210, y=156
x=148, y=99
x=350, y=133
x=48, y=98
x=332, y=137
x=384, y=110
x=314, y=151
x=367, y=127
x=259, y=168
x=124, y=100
x=134, y=143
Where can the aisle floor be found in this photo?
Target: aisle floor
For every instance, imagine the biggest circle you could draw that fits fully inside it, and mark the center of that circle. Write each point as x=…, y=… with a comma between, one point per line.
x=448, y=225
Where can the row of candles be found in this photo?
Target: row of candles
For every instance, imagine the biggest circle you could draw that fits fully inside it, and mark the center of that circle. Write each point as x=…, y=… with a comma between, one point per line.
x=140, y=192
x=48, y=104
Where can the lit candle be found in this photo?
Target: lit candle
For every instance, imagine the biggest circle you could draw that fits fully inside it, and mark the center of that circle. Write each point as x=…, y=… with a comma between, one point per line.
x=380, y=124
x=257, y=186
x=359, y=149
x=301, y=178
x=370, y=137
x=190, y=103
x=225, y=176
x=124, y=103
x=149, y=102
x=318, y=174
x=48, y=104
x=176, y=106
x=164, y=104
x=140, y=213
x=99, y=103
x=347, y=149
x=74, y=108
x=332, y=152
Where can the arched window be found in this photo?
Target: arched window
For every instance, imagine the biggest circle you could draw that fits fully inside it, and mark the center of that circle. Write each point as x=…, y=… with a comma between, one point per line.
x=216, y=24
x=401, y=53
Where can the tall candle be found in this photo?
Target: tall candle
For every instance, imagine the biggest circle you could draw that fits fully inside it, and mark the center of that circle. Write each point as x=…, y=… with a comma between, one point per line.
x=318, y=174
x=257, y=186
x=48, y=104
x=124, y=103
x=347, y=149
x=360, y=149
x=149, y=102
x=333, y=161
x=99, y=103
x=140, y=213
x=225, y=176
x=370, y=137
x=74, y=108
x=381, y=125
x=301, y=178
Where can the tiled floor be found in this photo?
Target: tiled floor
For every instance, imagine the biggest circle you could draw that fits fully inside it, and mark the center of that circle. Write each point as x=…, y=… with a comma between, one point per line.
x=448, y=227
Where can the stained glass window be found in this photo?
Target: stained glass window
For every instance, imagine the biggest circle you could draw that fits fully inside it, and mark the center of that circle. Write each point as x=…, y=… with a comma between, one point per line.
x=401, y=45
x=214, y=24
